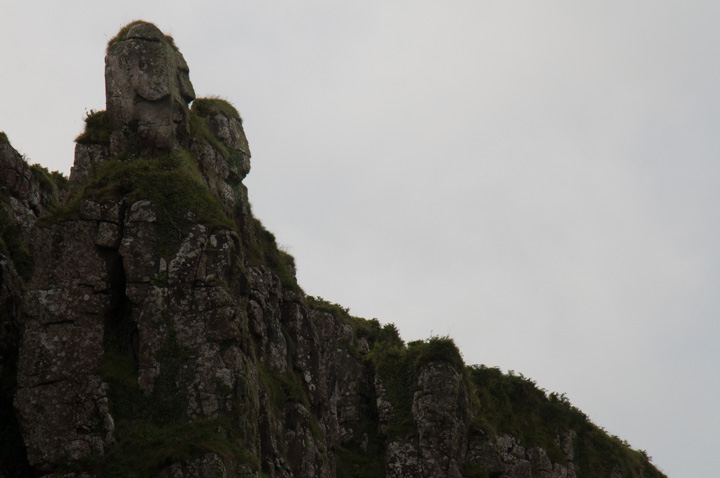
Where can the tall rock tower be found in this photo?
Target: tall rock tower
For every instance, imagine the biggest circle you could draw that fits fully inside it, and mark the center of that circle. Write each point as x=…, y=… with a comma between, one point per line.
x=147, y=90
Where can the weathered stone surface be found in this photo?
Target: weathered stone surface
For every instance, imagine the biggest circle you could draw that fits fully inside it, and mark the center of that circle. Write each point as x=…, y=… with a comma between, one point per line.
x=87, y=159
x=65, y=419
x=483, y=455
x=147, y=92
x=61, y=401
x=383, y=404
x=17, y=180
x=540, y=462
x=28, y=196
x=108, y=235
x=441, y=409
x=403, y=461
x=504, y=456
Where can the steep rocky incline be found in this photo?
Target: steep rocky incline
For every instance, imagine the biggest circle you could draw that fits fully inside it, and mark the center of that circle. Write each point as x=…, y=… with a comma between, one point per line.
x=150, y=326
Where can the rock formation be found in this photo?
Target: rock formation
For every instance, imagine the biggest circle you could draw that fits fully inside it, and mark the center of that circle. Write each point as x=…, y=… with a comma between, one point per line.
x=147, y=89
x=150, y=326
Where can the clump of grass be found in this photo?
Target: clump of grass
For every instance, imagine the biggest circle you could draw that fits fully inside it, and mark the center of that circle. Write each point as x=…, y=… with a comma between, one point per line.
x=97, y=129
x=212, y=105
x=200, y=130
x=122, y=35
x=371, y=330
x=43, y=176
x=172, y=182
x=513, y=404
x=49, y=181
x=438, y=349
x=60, y=180
x=337, y=310
x=282, y=388
x=120, y=371
x=265, y=251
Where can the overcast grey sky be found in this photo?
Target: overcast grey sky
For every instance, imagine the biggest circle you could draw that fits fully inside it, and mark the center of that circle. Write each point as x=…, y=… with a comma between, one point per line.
x=537, y=180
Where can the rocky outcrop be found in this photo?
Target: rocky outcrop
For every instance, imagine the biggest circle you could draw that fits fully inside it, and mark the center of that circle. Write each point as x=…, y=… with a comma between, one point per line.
x=161, y=332
x=442, y=412
x=28, y=191
x=147, y=92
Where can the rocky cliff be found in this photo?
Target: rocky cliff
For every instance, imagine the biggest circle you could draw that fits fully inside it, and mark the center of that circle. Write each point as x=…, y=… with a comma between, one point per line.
x=150, y=326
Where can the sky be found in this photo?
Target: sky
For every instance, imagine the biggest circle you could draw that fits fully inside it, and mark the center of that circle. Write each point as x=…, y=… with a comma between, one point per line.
x=536, y=180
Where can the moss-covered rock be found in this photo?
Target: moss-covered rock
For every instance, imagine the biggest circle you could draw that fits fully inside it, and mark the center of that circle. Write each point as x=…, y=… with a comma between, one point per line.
x=97, y=129
x=207, y=107
x=516, y=417
x=142, y=30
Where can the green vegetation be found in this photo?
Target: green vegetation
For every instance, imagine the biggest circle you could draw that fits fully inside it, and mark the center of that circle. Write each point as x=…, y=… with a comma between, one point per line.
x=49, y=181
x=150, y=430
x=144, y=449
x=596, y=453
x=437, y=349
x=3, y=138
x=200, y=129
x=371, y=330
x=11, y=243
x=472, y=470
x=364, y=455
x=282, y=388
x=168, y=406
x=212, y=105
x=61, y=181
x=161, y=408
x=398, y=368
x=337, y=310
x=123, y=35
x=265, y=251
x=97, y=129
x=174, y=185
x=514, y=405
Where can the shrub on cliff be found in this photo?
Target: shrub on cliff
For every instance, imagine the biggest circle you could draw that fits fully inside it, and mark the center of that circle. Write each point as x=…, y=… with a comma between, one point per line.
x=97, y=129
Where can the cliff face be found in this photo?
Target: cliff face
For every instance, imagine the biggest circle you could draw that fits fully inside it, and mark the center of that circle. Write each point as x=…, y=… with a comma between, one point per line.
x=151, y=327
